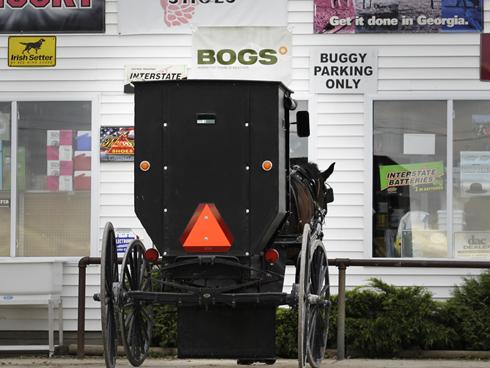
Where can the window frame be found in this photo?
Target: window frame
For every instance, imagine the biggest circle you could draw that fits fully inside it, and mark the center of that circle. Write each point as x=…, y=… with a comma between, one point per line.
x=94, y=100
x=369, y=149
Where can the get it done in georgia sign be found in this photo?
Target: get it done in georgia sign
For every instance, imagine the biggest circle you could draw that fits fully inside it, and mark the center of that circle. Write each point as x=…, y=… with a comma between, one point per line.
x=32, y=51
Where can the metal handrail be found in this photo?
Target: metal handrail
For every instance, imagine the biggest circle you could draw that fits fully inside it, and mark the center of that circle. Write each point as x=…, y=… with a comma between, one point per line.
x=343, y=263
x=82, y=276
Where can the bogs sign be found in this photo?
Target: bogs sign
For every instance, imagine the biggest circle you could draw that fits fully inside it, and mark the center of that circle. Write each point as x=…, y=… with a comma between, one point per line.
x=50, y=16
x=180, y=16
x=253, y=53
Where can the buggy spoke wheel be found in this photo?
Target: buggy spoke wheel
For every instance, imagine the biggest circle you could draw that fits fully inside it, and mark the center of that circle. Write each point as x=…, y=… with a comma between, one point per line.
x=303, y=291
x=319, y=311
x=136, y=316
x=108, y=276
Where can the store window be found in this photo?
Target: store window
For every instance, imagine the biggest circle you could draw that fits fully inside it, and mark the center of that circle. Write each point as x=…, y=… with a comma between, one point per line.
x=52, y=152
x=4, y=179
x=471, y=179
x=409, y=179
x=413, y=184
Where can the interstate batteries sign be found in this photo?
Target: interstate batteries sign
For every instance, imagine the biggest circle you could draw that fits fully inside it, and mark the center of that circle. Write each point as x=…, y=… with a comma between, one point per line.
x=422, y=177
x=343, y=70
x=250, y=53
x=33, y=51
x=43, y=16
x=181, y=16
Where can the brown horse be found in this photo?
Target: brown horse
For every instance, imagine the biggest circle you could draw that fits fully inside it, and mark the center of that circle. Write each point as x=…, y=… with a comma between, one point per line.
x=309, y=197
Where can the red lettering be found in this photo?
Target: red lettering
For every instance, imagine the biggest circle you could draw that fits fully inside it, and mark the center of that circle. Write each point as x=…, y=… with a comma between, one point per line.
x=17, y=3
x=68, y=3
x=40, y=3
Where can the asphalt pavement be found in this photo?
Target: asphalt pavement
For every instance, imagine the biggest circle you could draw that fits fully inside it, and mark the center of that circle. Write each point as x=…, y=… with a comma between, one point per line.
x=183, y=363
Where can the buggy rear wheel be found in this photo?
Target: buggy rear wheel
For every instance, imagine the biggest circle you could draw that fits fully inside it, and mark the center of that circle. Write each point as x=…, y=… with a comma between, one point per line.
x=303, y=290
x=319, y=307
x=135, y=316
x=108, y=276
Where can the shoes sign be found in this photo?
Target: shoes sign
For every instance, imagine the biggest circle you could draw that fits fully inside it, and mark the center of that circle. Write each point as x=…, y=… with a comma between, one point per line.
x=182, y=16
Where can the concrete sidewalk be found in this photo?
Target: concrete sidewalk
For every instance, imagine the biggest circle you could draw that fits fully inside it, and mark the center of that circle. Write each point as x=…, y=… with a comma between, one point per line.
x=184, y=363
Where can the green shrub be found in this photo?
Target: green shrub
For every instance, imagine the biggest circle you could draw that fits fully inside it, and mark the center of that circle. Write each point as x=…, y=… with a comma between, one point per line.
x=287, y=333
x=469, y=311
x=383, y=319
x=165, y=327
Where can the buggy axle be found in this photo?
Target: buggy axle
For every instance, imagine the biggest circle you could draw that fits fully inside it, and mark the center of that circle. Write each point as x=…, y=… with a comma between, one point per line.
x=208, y=298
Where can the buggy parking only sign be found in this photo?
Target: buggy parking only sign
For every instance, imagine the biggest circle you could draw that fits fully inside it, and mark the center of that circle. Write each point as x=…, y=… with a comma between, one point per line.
x=343, y=70
x=32, y=51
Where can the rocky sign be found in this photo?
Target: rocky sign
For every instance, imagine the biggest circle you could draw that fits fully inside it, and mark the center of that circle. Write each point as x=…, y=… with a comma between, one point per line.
x=343, y=70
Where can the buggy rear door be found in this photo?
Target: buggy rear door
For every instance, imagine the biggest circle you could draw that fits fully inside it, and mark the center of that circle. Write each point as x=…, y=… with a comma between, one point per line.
x=205, y=155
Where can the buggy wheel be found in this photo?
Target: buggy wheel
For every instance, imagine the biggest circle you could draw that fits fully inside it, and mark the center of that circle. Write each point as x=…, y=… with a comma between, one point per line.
x=319, y=306
x=135, y=316
x=108, y=276
x=303, y=290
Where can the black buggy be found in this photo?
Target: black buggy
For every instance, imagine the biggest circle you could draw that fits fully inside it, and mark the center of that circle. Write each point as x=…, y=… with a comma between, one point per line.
x=225, y=212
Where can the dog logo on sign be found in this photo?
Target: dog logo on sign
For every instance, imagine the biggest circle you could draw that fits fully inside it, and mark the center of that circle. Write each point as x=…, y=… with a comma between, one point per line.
x=33, y=45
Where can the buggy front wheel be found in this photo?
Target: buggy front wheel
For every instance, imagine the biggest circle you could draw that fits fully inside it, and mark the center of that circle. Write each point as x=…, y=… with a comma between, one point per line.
x=313, y=301
x=319, y=304
x=303, y=290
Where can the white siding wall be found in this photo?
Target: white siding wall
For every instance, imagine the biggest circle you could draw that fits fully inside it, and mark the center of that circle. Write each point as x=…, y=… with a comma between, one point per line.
x=408, y=63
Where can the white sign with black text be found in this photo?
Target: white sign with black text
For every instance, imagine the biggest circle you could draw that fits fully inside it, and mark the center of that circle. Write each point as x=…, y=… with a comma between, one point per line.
x=151, y=73
x=471, y=244
x=344, y=70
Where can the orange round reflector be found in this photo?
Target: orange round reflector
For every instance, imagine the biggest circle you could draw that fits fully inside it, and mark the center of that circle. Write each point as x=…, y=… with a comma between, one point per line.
x=271, y=255
x=151, y=255
x=267, y=165
x=144, y=166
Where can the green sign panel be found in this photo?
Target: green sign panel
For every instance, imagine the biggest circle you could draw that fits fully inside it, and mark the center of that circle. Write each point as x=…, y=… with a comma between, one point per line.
x=423, y=177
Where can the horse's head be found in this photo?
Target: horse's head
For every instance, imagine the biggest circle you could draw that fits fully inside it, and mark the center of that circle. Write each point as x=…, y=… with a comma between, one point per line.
x=311, y=195
x=316, y=180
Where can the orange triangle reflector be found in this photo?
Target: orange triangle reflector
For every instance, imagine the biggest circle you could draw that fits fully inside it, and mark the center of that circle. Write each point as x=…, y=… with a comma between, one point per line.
x=206, y=231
